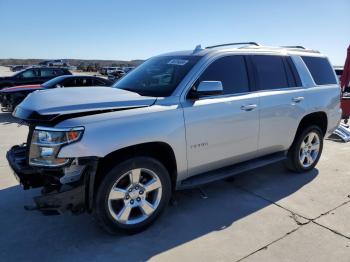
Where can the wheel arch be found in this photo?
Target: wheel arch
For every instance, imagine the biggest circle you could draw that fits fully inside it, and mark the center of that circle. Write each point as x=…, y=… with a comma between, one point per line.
x=319, y=119
x=161, y=151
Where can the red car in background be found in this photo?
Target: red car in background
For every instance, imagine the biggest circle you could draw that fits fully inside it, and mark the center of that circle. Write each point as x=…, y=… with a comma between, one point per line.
x=12, y=96
x=345, y=100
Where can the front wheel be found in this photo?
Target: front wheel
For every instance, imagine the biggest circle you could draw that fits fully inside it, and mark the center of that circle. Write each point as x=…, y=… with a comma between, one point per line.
x=306, y=150
x=132, y=195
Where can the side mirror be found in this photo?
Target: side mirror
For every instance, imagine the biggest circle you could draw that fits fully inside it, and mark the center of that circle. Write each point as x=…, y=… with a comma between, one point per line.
x=208, y=88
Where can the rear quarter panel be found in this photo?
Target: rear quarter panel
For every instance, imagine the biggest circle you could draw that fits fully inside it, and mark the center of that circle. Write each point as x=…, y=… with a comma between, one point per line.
x=325, y=99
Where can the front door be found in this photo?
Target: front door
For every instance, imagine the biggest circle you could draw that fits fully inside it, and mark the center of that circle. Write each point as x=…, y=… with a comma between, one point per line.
x=28, y=77
x=222, y=130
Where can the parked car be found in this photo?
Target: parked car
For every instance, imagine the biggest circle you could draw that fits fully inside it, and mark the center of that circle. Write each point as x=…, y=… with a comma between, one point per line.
x=111, y=70
x=339, y=71
x=108, y=70
x=345, y=100
x=32, y=76
x=16, y=68
x=128, y=69
x=114, y=76
x=10, y=97
x=177, y=121
x=57, y=62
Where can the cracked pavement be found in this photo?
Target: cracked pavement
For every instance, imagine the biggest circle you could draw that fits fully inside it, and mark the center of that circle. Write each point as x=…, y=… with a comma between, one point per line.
x=268, y=214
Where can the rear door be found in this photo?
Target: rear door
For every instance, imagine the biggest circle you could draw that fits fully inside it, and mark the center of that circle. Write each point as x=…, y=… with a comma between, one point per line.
x=47, y=74
x=282, y=101
x=223, y=129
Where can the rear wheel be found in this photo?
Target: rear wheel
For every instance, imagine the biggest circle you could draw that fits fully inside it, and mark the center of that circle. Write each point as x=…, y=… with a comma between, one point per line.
x=132, y=195
x=306, y=150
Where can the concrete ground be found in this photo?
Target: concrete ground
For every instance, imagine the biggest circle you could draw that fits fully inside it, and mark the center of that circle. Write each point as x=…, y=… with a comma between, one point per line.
x=268, y=214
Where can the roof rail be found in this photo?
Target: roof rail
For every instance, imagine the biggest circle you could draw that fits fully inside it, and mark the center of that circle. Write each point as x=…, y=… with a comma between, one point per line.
x=303, y=49
x=229, y=44
x=294, y=46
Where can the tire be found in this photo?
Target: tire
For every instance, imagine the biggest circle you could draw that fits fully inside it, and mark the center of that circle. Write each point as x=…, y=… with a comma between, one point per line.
x=304, y=159
x=127, y=209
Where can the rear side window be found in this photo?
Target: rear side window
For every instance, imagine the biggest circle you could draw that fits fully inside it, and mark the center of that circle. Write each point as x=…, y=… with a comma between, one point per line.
x=271, y=72
x=58, y=72
x=84, y=82
x=99, y=82
x=46, y=72
x=70, y=82
x=320, y=69
x=231, y=71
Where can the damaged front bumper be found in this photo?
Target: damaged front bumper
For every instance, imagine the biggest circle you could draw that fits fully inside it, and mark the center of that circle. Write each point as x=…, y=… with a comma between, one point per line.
x=65, y=188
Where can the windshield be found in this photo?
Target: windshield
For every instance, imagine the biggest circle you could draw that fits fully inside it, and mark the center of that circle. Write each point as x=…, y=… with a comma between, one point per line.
x=158, y=76
x=53, y=82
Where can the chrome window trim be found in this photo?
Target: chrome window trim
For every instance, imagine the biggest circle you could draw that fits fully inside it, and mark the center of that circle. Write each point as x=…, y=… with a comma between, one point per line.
x=215, y=57
x=224, y=96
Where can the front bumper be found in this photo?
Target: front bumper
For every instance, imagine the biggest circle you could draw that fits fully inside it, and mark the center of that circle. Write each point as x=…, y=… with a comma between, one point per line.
x=27, y=176
x=55, y=197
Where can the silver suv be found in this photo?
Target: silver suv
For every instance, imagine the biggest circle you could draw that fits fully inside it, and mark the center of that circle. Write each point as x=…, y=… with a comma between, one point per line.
x=177, y=121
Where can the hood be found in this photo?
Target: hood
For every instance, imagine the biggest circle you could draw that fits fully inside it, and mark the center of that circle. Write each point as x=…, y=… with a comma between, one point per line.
x=57, y=104
x=3, y=79
x=21, y=88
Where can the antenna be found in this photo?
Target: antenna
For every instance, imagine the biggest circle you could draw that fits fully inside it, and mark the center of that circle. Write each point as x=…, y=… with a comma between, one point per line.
x=197, y=48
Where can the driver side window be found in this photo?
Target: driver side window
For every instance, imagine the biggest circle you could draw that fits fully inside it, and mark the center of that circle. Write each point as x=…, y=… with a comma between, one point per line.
x=231, y=71
x=28, y=74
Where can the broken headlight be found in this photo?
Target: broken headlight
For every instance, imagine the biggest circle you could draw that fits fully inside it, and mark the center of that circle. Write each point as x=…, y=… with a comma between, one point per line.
x=47, y=142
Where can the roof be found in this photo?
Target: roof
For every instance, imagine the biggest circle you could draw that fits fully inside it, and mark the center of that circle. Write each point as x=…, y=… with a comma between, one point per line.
x=244, y=48
x=80, y=76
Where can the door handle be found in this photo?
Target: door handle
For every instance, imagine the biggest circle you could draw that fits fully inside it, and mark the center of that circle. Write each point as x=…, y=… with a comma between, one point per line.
x=298, y=99
x=249, y=107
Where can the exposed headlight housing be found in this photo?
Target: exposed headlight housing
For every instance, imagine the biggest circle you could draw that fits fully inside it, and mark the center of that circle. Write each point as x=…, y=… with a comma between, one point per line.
x=47, y=142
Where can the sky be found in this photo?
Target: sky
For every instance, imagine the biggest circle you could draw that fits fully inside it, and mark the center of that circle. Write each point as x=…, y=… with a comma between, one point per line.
x=136, y=29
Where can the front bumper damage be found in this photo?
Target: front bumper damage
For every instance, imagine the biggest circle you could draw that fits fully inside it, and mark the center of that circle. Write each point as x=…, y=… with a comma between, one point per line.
x=65, y=188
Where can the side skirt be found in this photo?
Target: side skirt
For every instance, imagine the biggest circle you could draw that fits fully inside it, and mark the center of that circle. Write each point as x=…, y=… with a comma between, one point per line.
x=230, y=171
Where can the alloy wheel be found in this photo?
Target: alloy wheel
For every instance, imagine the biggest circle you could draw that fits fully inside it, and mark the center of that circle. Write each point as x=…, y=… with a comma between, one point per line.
x=309, y=149
x=135, y=196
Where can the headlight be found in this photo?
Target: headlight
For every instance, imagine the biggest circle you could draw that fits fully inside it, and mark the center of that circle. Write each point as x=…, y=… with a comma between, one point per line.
x=47, y=142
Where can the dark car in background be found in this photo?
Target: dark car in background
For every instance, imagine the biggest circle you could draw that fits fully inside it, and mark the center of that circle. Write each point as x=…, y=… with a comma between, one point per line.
x=114, y=76
x=57, y=62
x=16, y=68
x=33, y=75
x=12, y=96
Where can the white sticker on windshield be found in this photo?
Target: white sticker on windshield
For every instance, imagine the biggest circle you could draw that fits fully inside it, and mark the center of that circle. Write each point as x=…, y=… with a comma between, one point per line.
x=180, y=62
